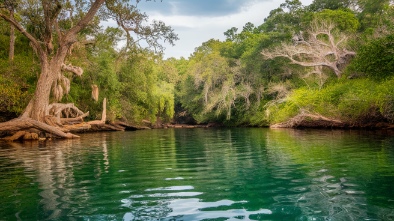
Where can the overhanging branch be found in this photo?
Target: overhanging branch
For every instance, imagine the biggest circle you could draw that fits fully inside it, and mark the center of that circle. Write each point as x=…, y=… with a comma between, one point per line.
x=35, y=43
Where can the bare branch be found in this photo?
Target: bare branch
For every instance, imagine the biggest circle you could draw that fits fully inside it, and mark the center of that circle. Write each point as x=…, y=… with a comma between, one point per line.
x=71, y=34
x=322, y=49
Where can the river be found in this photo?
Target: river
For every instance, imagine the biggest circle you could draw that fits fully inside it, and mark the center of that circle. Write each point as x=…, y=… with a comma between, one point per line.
x=201, y=174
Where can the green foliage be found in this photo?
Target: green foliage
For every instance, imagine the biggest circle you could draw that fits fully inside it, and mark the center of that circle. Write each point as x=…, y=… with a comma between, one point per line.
x=98, y=62
x=286, y=19
x=375, y=59
x=319, y=5
x=217, y=89
x=17, y=83
x=266, y=78
x=148, y=89
x=212, y=78
x=12, y=98
x=17, y=77
x=374, y=13
x=137, y=83
x=356, y=101
x=344, y=19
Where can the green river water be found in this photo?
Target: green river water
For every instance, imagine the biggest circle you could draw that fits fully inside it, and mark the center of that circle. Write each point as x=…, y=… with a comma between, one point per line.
x=201, y=174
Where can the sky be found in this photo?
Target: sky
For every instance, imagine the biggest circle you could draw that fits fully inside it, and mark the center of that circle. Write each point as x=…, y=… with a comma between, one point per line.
x=197, y=21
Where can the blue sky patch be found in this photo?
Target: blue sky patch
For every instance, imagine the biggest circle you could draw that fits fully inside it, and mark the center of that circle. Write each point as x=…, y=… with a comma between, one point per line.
x=208, y=8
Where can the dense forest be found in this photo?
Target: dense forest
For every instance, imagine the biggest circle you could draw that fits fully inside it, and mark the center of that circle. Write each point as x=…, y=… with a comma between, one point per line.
x=327, y=64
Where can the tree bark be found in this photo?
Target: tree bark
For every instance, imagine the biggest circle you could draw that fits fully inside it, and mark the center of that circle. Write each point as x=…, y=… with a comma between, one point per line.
x=40, y=100
x=104, y=114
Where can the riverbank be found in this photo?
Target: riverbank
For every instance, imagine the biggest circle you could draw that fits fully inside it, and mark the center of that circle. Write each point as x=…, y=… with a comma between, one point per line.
x=319, y=121
x=300, y=121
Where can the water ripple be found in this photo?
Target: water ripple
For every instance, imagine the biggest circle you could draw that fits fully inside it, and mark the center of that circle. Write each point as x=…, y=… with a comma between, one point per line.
x=202, y=174
x=171, y=188
x=191, y=209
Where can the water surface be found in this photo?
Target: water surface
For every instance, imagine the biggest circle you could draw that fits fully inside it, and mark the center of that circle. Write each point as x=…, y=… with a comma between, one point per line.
x=201, y=174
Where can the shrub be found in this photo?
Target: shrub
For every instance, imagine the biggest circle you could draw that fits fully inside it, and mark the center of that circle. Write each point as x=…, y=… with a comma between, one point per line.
x=375, y=59
x=354, y=101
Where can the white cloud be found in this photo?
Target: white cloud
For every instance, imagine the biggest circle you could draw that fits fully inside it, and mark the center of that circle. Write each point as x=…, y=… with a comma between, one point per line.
x=194, y=30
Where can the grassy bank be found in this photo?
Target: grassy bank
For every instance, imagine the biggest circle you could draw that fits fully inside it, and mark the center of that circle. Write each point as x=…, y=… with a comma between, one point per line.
x=356, y=102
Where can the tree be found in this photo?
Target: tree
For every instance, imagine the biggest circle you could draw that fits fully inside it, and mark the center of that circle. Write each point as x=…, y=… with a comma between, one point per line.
x=55, y=28
x=376, y=17
x=231, y=34
x=147, y=88
x=287, y=18
x=319, y=5
x=372, y=12
x=216, y=86
x=375, y=59
x=322, y=47
x=10, y=6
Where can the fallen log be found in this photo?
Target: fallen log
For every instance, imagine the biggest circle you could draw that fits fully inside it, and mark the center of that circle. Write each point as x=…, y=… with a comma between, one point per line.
x=95, y=126
x=78, y=128
x=129, y=126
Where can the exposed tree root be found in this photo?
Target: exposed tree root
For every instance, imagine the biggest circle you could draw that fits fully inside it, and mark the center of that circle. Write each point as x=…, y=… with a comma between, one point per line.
x=78, y=128
x=67, y=110
x=310, y=121
x=20, y=127
x=64, y=119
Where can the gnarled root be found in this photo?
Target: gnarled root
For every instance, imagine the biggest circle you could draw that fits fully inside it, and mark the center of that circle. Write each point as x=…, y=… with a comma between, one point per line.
x=64, y=119
x=64, y=114
x=24, y=127
x=64, y=110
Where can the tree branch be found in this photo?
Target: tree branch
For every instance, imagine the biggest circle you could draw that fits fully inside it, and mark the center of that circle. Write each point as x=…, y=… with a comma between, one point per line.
x=84, y=21
x=324, y=50
x=34, y=42
x=74, y=69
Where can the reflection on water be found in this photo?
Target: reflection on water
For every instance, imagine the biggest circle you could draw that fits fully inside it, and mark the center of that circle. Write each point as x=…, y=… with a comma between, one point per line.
x=201, y=174
x=189, y=209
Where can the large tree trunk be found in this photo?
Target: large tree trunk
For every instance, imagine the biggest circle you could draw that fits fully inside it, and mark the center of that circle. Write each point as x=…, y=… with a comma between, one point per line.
x=38, y=106
x=41, y=96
